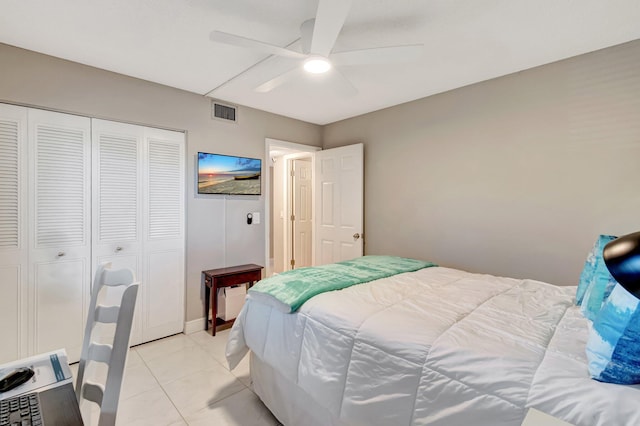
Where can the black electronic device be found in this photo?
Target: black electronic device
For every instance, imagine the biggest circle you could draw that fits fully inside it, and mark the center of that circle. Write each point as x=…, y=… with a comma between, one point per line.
x=56, y=406
x=622, y=258
x=15, y=378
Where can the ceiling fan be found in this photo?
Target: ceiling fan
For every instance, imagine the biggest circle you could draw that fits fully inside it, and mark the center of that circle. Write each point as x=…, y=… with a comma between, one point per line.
x=317, y=37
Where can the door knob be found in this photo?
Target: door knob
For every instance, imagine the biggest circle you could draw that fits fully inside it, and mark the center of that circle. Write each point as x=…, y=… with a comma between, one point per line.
x=118, y=249
x=60, y=253
x=356, y=236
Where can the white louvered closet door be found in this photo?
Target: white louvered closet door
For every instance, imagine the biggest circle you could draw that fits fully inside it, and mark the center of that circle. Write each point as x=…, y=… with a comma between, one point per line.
x=60, y=243
x=117, y=203
x=13, y=232
x=163, y=194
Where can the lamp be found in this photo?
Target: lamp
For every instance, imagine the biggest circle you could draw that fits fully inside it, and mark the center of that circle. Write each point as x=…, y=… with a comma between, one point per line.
x=622, y=257
x=317, y=65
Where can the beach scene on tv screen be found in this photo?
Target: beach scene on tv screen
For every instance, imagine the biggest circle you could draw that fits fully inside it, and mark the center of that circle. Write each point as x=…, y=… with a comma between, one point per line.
x=224, y=174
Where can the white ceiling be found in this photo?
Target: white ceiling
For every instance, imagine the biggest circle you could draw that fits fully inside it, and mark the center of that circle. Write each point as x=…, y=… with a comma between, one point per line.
x=465, y=41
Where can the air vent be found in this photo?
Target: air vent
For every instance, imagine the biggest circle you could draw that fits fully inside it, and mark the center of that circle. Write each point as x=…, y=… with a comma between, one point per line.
x=224, y=112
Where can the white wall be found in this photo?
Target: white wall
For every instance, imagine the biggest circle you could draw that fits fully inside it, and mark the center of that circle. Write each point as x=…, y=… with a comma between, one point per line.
x=514, y=176
x=217, y=233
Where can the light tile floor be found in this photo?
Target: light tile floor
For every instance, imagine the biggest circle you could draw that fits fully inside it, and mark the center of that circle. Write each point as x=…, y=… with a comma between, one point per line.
x=185, y=380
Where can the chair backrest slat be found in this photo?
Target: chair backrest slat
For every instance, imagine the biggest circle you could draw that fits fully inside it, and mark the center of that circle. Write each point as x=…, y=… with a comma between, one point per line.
x=107, y=314
x=115, y=354
x=117, y=277
x=99, y=353
x=93, y=392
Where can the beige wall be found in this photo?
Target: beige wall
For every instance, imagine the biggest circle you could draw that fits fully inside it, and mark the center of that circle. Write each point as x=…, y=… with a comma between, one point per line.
x=514, y=176
x=217, y=233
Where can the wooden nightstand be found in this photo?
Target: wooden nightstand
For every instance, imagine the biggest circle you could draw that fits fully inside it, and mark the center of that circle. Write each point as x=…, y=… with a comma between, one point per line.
x=225, y=277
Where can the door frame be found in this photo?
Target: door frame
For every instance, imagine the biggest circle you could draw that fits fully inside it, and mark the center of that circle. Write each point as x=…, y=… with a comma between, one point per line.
x=288, y=182
x=283, y=147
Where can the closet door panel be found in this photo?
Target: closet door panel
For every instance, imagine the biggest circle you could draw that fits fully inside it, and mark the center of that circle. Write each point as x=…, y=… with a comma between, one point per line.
x=164, y=313
x=165, y=189
x=117, y=190
x=164, y=234
x=12, y=140
x=59, y=305
x=117, y=205
x=11, y=308
x=13, y=232
x=70, y=199
x=60, y=241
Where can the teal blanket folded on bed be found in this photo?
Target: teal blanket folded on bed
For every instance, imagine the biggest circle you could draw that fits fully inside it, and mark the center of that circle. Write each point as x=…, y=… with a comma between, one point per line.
x=293, y=288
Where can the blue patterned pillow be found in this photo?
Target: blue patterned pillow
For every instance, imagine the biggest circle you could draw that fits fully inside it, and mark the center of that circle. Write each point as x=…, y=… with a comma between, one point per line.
x=599, y=290
x=613, y=348
x=594, y=271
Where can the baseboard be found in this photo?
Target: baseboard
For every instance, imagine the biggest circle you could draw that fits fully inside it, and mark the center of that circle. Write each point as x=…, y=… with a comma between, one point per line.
x=193, y=326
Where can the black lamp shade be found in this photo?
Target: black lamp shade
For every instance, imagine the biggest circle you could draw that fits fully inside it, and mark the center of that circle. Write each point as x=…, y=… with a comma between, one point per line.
x=622, y=257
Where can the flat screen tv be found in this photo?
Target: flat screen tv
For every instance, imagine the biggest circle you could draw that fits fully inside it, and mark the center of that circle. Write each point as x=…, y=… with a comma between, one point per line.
x=227, y=174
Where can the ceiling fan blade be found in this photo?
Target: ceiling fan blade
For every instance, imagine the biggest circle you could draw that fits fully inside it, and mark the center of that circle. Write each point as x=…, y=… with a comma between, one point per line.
x=237, y=40
x=378, y=55
x=330, y=18
x=306, y=34
x=278, y=81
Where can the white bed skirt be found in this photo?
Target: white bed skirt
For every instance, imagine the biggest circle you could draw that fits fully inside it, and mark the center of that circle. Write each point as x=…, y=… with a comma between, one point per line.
x=288, y=403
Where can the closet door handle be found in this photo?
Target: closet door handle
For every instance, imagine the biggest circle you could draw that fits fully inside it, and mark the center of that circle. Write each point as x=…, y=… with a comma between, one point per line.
x=118, y=249
x=61, y=253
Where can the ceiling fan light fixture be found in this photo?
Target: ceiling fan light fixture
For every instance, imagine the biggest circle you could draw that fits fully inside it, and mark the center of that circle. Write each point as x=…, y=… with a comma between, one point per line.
x=317, y=65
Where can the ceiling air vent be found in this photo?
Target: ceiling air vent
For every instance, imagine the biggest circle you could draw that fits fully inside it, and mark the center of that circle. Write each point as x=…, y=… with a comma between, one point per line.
x=224, y=112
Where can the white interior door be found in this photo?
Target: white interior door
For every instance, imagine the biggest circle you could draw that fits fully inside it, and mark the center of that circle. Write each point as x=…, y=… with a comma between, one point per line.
x=117, y=205
x=302, y=212
x=163, y=209
x=60, y=244
x=13, y=227
x=339, y=197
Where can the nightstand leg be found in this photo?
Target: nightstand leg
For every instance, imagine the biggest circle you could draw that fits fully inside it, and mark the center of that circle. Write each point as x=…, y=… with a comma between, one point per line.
x=214, y=308
x=207, y=295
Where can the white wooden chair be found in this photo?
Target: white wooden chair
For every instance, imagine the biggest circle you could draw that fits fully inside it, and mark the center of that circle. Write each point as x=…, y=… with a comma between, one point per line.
x=114, y=354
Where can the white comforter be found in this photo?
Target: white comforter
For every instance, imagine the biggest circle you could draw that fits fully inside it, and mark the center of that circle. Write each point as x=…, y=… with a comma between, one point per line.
x=438, y=346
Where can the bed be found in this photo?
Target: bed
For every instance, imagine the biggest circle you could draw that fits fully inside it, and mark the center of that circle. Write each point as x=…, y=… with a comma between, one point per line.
x=435, y=346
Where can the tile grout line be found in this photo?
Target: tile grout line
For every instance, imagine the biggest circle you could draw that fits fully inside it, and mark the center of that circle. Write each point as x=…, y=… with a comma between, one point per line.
x=223, y=366
x=216, y=361
x=211, y=356
x=163, y=389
